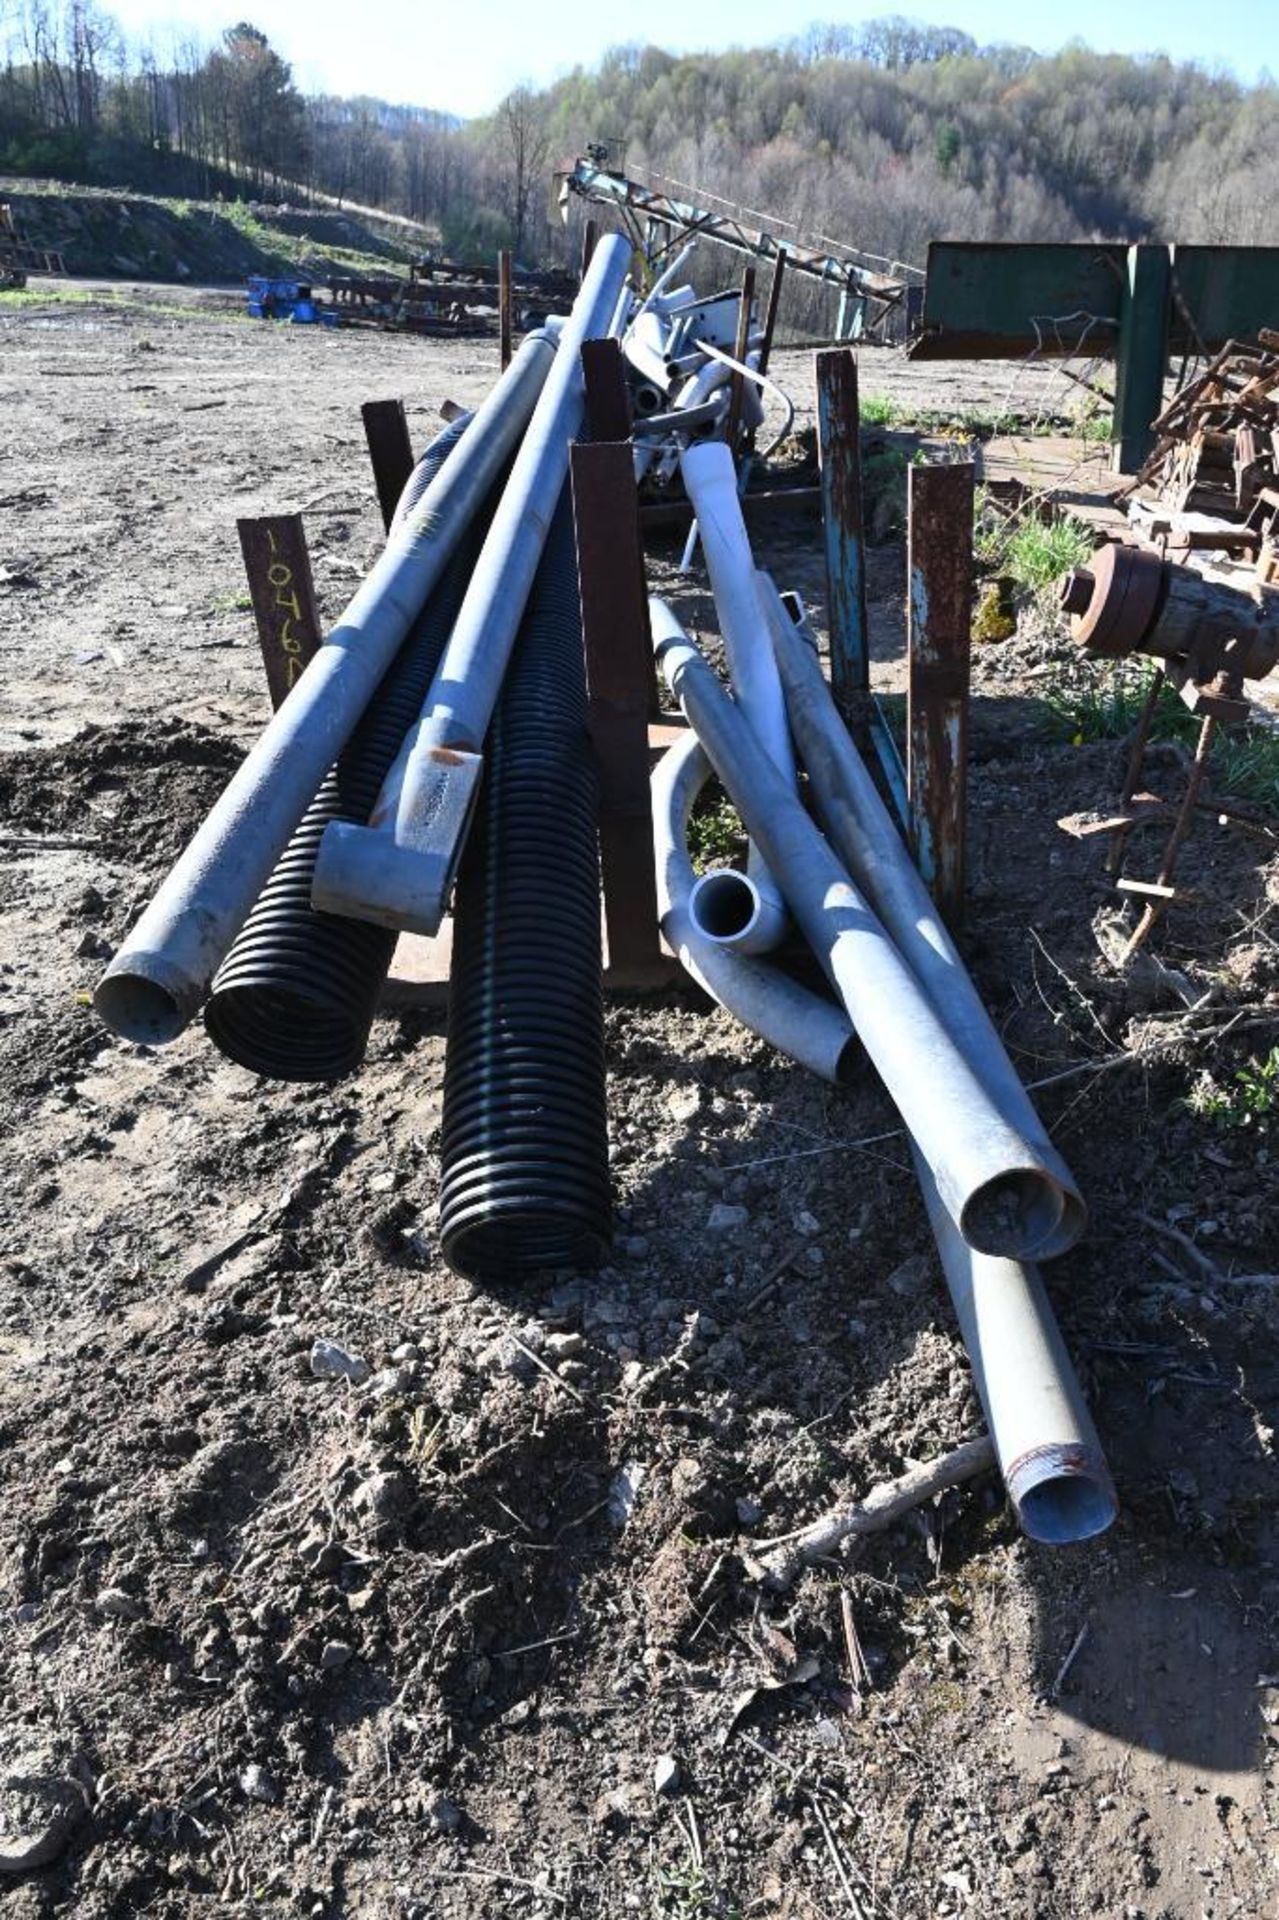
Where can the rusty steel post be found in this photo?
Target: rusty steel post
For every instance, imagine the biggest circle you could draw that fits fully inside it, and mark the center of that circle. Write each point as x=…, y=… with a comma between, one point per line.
x=615, y=634
x=504, y=314
x=1162, y=892
x=608, y=401
x=590, y=234
x=390, y=451
x=770, y=314
x=741, y=347
x=278, y=566
x=840, y=457
x=939, y=633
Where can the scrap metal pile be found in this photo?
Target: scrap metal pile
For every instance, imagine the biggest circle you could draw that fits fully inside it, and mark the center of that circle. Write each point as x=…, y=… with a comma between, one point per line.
x=447, y=297
x=436, y=752
x=1196, y=590
x=696, y=369
x=1216, y=454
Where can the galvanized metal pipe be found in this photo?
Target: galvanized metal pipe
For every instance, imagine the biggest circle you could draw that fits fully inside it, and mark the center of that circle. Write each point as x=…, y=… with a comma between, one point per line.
x=863, y=834
x=1043, y=1434
x=742, y=911
x=811, y=1030
x=992, y=1181
x=162, y=974
x=398, y=871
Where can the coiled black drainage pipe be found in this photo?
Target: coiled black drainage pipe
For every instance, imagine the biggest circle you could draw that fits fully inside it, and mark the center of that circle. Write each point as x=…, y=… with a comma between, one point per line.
x=524, y=1161
x=296, y=995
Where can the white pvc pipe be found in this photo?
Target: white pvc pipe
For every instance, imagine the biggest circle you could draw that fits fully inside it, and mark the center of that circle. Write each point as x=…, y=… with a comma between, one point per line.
x=992, y=1181
x=862, y=832
x=809, y=1029
x=657, y=295
x=743, y=911
x=645, y=350
x=162, y=974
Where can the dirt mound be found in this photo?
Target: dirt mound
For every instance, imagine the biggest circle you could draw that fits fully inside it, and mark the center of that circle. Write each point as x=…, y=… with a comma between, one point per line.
x=138, y=790
x=107, y=234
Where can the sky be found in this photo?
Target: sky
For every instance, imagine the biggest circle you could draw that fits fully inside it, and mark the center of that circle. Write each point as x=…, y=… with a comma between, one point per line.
x=462, y=56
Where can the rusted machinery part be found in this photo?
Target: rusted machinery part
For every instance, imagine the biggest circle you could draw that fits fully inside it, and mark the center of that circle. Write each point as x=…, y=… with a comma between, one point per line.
x=1133, y=599
x=1114, y=599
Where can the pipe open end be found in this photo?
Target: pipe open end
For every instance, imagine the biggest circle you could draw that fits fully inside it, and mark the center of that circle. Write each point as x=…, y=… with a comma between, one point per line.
x=1062, y=1494
x=1014, y=1216
x=139, y=1009
x=725, y=905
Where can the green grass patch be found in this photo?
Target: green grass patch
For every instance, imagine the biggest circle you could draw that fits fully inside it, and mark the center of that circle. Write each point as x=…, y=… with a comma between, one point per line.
x=879, y=410
x=1109, y=707
x=16, y=299
x=1243, y=764
x=1033, y=553
x=966, y=423
x=1247, y=765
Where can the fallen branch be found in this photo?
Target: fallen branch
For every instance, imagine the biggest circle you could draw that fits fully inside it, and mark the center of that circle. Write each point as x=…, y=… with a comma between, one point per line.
x=878, y=1511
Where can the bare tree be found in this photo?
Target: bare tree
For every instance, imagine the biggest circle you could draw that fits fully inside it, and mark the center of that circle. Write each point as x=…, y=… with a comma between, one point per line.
x=527, y=143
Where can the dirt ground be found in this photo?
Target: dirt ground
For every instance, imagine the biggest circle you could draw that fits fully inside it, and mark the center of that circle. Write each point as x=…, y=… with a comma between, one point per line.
x=277, y=1644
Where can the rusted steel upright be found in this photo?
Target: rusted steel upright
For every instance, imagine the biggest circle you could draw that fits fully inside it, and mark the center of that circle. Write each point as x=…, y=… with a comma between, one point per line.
x=390, y=451
x=770, y=314
x=504, y=314
x=740, y=348
x=590, y=234
x=939, y=630
x=840, y=455
x=278, y=566
x=608, y=402
x=619, y=657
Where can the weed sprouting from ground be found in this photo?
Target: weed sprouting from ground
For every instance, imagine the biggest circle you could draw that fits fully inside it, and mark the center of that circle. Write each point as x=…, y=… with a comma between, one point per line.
x=878, y=410
x=1250, y=1098
x=1092, y=421
x=716, y=836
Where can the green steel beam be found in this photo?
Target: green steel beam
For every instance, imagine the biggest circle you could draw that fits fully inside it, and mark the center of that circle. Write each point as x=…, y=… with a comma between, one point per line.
x=995, y=300
x=1142, y=357
x=1000, y=300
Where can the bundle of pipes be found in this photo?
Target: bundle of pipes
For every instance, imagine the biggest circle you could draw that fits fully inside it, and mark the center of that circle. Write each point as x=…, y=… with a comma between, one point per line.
x=997, y=1191
x=681, y=356
x=346, y=823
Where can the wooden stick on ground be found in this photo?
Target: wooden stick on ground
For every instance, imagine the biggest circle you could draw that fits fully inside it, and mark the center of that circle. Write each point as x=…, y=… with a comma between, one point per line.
x=879, y=1510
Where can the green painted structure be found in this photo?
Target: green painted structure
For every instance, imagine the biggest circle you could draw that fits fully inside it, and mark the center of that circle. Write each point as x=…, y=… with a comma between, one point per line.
x=1001, y=300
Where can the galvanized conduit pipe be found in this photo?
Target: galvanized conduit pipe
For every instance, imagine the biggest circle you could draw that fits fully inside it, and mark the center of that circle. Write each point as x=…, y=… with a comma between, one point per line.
x=160, y=977
x=744, y=911
x=863, y=834
x=398, y=871
x=524, y=1182
x=296, y=995
x=993, y=1182
x=811, y=1030
x=1044, y=1438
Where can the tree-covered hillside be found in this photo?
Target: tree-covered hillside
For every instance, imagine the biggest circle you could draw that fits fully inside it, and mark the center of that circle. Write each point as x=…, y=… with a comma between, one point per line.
x=883, y=136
